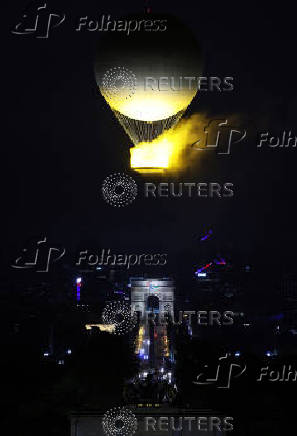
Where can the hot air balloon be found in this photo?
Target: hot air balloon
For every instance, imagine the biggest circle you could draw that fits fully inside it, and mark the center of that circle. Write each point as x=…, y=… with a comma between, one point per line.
x=148, y=78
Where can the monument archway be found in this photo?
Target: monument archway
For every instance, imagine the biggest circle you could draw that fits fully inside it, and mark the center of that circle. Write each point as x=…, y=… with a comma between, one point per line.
x=144, y=288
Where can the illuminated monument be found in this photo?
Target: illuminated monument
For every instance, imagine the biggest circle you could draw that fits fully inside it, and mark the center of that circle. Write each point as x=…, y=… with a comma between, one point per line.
x=152, y=295
x=153, y=346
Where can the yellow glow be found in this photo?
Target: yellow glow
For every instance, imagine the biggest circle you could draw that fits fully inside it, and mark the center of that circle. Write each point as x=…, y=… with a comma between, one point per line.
x=165, y=346
x=147, y=109
x=151, y=154
x=102, y=327
x=150, y=170
x=151, y=105
x=171, y=150
x=139, y=340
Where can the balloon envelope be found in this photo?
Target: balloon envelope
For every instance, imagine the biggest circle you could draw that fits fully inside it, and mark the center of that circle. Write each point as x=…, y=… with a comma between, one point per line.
x=149, y=78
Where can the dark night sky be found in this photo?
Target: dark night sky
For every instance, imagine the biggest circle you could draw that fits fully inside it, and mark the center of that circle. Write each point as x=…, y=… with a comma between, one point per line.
x=61, y=140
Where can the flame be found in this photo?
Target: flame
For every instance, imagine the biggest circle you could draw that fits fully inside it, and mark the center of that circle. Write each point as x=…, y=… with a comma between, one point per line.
x=154, y=154
x=167, y=151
